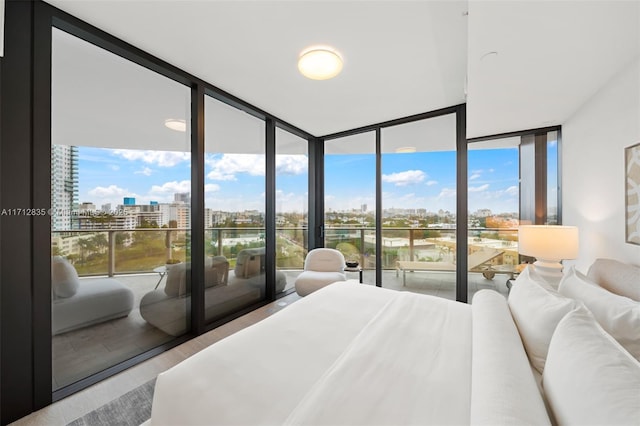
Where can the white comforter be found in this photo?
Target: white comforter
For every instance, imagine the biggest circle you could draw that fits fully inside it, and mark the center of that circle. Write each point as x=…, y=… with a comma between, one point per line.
x=348, y=354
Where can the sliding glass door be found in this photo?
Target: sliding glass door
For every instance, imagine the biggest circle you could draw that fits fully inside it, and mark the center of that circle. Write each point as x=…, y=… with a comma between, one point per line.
x=494, y=214
x=120, y=209
x=234, y=209
x=350, y=200
x=292, y=207
x=419, y=206
x=513, y=180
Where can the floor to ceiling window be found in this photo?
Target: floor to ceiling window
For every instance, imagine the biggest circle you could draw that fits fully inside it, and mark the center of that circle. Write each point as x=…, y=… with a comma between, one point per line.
x=350, y=199
x=419, y=206
x=493, y=201
x=292, y=201
x=234, y=209
x=513, y=180
x=120, y=208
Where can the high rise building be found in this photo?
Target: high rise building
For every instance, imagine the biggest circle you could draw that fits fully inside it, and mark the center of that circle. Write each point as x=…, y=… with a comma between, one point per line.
x=182, y=197
x=64, y=186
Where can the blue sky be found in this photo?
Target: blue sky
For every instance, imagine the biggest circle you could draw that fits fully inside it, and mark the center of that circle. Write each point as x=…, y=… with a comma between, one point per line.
x=235, y=182
x=423, y=180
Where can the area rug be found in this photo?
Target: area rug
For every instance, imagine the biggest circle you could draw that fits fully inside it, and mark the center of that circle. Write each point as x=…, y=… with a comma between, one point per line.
x=131, y=409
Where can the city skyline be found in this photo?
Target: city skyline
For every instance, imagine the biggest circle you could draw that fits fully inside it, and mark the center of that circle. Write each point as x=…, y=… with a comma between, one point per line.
x=235, y=182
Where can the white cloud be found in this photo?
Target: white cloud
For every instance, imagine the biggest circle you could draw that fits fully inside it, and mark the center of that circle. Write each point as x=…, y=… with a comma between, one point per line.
x=160, y=158
x=211, y=187
x=513, y=191
x=171, y=187
x=432, y=182
x=447, y=193
x=409, y=177
x=291, y=164
x=480, y=188
x=108, y=192
x=474, y=176
x=114, y=167
x=146, y=171
x=225, y=167
x=290, y=202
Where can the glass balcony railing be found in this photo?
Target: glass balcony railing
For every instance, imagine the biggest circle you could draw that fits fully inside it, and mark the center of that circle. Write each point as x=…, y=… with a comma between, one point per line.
x=425, y=245
x=112, y=252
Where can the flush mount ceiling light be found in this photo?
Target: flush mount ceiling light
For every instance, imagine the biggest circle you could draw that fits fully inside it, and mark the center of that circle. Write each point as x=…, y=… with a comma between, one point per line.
x=320, y=63
x=176, y=124
x=405, y=149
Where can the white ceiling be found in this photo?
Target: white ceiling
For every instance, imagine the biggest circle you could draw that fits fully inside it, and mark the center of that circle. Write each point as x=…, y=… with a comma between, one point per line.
x=552, y=56
x=401, y=57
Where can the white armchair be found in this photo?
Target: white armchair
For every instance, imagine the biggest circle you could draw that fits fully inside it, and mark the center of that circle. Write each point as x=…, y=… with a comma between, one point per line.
x=322, y=266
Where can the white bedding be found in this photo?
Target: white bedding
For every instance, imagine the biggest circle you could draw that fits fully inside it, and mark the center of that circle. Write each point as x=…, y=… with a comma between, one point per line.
x=281, y=369
x=349, y=354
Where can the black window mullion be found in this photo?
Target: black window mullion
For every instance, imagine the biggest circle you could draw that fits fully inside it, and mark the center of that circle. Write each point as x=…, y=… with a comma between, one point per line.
x=41, y=252
x=197, y=209
x=462, y=225
x=270, y=209
x=541, y=178
x=315, y=234
x=378, y=207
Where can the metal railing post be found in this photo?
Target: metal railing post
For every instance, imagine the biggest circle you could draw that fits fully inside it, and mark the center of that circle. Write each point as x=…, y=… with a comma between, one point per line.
x=112, y=253
x=411, y=245
x=362, y=247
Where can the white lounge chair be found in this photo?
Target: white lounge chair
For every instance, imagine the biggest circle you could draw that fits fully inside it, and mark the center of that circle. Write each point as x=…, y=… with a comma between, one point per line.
x=477, y=262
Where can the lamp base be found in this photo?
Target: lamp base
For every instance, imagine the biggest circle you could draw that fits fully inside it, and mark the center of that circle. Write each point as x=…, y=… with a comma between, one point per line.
x=550, y=270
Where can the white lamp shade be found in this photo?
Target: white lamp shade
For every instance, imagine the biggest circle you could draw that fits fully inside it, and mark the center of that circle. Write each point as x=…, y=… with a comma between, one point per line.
x=550, y=242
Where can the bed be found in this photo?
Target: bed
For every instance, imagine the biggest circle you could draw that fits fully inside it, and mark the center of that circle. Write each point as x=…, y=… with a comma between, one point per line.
x=353, y=354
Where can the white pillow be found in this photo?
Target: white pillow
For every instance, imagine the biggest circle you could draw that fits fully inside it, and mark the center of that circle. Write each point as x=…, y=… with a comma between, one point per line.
x=617, y=277
x=618, y=315
x=64, y=277
x=536, y=309
x=589, y=379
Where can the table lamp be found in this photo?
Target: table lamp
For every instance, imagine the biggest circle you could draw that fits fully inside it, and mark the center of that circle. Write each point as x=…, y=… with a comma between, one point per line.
x=549, y=244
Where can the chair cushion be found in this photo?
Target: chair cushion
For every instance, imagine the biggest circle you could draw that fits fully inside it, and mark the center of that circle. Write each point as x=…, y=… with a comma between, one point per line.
x=178, y=283
x=309, y=281
x=250, y=262
x=324, y=260
x=97, y=300
x=64, y=278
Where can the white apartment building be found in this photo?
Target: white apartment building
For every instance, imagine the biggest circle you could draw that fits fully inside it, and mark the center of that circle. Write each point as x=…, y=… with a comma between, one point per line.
x=64, y=186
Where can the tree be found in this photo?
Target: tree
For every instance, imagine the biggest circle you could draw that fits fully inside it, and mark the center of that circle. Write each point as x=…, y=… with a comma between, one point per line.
x=100, y=242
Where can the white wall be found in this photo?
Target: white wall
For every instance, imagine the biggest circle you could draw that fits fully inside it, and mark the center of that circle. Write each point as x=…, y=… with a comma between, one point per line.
x=593, y=179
